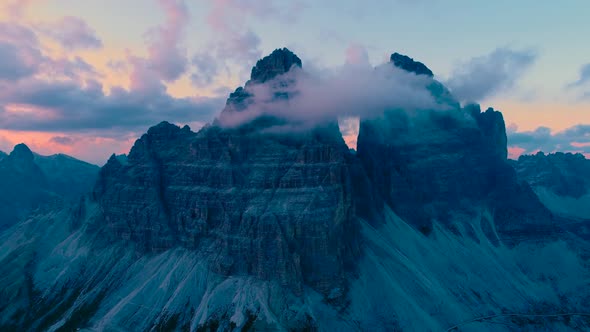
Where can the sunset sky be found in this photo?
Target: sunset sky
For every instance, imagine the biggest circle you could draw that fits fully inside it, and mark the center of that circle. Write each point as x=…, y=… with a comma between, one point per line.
x=87, y=77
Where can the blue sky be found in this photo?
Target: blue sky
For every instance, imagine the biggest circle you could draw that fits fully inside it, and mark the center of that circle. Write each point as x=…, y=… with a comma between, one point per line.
x=227, y=36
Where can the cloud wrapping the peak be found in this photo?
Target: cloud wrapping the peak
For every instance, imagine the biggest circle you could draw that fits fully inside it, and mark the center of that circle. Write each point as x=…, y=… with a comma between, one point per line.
x=350, y=91
x=484, y=76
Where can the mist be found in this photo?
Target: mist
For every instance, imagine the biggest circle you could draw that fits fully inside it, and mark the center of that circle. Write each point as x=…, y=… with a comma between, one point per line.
x=350, y=91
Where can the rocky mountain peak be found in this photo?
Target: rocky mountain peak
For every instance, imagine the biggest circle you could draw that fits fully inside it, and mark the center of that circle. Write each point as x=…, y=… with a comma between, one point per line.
x=277, y=63
x=408, y=64
x=22, y=152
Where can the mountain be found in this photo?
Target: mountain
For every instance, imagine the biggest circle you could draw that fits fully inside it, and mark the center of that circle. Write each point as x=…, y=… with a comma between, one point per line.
x=67, y=176
x=29, y=181
x=560, y=180
x=241, y=228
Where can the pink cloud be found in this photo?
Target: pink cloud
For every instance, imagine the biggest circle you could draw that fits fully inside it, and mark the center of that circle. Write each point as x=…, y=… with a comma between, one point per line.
x=166, y=54
x=16, y=8
x=71, y=33
x=235, y=41
x=357, y=55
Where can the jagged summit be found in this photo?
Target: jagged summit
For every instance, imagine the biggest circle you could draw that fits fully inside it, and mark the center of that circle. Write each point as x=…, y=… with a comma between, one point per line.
x=408, y=64
x=277, y=63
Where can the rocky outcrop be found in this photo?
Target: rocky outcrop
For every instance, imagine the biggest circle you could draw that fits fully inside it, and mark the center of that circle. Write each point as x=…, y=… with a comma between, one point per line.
x=267, y=69
x=279, y=62
x=408, y=64
x=444, y=166
x=275, y=206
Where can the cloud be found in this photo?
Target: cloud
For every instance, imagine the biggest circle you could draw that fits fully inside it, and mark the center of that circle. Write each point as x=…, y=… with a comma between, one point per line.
x=584, y=77
x=235, y=42
x=206, y=68
x=349, y=127
x=42, y=93
x=18, y=62
x=22, y=57
x=67, y=106
x=166, y=54
x=573, y=139
x=16, y=8
x=72, y=33
x=62, y=140
x=57, y=103
x=485, y=76
x=350, y=91
x=357, y=55
x=76, y=69
x=19, y=51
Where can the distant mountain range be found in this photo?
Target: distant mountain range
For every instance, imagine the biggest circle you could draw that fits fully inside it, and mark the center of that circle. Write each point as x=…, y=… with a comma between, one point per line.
x=29, y=181
x=560, y=180
x=427, y=227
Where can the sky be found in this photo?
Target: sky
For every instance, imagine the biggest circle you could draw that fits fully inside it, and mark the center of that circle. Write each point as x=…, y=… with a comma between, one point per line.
x=87, y=78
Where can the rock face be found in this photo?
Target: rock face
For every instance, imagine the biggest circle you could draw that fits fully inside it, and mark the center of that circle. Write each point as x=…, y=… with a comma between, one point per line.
x=277, y=63
x=67, y=176
x=272, y=206
x=29, y=181
x=443, y=166
x=408, y=64
x=565, y=174
x=269, y=68
x=561, y=180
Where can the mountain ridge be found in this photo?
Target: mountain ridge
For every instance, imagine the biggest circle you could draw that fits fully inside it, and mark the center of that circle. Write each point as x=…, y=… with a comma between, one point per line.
x=29, y=181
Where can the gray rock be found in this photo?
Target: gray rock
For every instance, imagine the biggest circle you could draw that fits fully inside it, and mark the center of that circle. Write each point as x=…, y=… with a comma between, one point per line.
x=444, y=166
x=272, y=206
x=408, y=64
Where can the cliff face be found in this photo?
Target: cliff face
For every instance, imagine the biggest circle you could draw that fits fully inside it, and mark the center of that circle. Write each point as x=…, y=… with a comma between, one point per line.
x=274, y=206
x=445, y=166
x=561, y=180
